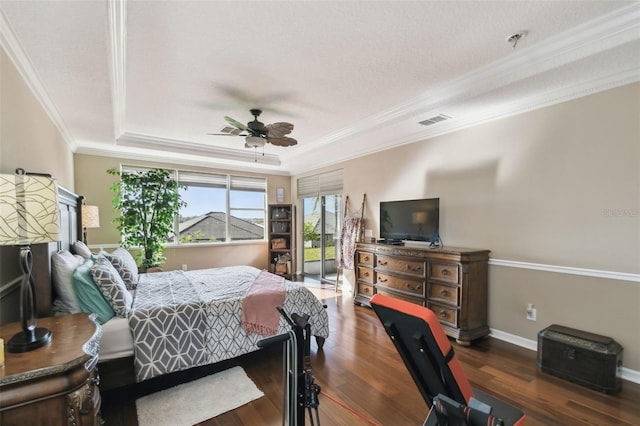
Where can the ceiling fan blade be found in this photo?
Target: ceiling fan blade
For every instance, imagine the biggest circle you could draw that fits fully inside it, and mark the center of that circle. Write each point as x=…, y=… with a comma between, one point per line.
x=228, y=134
x=235, y=123
x=283, y=141
x=278, y=130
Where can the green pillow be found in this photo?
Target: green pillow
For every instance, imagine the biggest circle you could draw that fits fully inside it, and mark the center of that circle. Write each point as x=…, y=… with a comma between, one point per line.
x=89, y=295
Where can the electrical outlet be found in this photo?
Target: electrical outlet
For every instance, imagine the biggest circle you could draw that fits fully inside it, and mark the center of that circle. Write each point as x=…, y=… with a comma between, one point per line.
x=184, y=267
x=532, y=314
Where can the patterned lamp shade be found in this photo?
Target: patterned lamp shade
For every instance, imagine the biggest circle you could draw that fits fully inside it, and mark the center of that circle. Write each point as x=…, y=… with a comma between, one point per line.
x=90, y=216
x=28, y=209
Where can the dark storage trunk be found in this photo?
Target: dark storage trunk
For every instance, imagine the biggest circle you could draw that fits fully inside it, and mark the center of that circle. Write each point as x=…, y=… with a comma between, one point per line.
x=585, y=358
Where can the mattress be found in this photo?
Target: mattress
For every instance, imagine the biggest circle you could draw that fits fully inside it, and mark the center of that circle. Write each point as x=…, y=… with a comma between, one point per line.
x=116, y=341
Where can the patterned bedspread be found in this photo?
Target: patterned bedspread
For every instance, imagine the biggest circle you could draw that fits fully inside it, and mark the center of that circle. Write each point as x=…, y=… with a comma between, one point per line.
x=187, y=319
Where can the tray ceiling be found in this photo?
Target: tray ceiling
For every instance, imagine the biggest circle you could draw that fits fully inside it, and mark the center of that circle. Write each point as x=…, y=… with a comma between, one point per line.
x=151, y=79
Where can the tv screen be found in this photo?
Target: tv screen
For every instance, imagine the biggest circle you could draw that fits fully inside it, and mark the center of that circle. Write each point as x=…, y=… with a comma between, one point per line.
x=416, y=220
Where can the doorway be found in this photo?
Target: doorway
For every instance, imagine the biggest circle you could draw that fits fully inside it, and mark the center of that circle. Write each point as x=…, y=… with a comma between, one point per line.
x=322, y=223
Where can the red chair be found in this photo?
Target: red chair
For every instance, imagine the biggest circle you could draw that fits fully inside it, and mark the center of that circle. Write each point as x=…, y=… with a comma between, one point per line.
x=428, y=355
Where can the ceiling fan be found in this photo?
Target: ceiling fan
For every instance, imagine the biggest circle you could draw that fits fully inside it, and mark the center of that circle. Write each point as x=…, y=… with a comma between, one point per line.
x=257, y=134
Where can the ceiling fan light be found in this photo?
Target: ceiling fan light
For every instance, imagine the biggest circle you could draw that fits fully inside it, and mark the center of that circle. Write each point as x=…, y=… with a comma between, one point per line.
x=254, y=141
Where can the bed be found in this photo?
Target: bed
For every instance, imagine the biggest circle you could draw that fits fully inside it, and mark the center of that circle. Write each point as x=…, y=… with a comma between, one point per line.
x=168, y=321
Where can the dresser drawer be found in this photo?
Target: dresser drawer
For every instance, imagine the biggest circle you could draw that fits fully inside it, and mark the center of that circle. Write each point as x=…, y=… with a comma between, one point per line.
x=413, y=267
x=416, y=300
x=365, y=258
x=445, y=314
x=444, y=271
x=365, y=289
x=443, y=292
x=412, y=286
x=365, y=274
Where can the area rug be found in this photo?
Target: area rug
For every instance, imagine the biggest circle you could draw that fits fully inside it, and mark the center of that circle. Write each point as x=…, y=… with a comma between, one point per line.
x=197, y=401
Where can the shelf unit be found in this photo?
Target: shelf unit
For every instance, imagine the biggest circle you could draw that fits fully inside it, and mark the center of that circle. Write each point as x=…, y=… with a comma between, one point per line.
x=281, y=229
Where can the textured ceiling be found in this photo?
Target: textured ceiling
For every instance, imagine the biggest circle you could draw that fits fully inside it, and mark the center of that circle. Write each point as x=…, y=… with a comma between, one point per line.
x=151, y=79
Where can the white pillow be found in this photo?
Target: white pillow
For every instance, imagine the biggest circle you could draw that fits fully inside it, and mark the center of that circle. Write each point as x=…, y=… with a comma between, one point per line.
x=81, y=249
x=63, y=263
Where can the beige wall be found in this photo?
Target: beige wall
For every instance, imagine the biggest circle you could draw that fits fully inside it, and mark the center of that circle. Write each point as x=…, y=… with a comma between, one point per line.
x=93, y=182
x=29, y=140
x=557, y=186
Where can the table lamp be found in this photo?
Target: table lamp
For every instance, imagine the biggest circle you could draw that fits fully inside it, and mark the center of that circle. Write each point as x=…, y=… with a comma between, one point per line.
x=28, y=215
x=90, y=219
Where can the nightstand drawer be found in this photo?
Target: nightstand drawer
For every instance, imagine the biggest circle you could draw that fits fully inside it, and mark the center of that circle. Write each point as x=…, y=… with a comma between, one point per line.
x=443, y=292
x=411, y=267
x=365, y=274
x=445, y=314
x=444, y=271
x=365, y=258
x=411, y=286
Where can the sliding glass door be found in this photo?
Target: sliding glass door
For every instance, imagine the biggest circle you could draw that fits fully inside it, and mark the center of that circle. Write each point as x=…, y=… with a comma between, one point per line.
x=322, y=223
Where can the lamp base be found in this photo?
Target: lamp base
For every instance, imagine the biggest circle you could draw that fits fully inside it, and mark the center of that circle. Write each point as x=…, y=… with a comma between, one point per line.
x=24, y=342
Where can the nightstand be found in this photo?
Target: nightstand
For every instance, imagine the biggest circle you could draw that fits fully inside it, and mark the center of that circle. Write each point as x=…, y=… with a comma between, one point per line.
x=55, y=384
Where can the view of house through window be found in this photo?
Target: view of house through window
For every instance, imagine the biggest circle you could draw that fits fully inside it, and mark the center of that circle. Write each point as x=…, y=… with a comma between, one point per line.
x=220, y=208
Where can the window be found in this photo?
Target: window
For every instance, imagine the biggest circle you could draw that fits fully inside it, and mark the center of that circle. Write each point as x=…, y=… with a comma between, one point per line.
x=220, y=208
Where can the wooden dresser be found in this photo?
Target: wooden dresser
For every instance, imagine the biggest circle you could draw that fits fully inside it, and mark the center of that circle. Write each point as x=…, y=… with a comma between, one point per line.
x=451, y=281
x=56, y=384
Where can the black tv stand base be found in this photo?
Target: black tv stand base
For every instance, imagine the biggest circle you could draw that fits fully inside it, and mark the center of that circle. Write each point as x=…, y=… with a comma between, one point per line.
x=391, y=242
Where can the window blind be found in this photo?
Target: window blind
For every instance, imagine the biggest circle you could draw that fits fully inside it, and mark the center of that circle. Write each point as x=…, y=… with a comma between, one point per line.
x=202, y=179
x=244, y=183
x=328, y=183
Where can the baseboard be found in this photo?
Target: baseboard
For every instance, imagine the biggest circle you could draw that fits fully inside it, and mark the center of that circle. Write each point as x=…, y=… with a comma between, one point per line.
x=627, y=373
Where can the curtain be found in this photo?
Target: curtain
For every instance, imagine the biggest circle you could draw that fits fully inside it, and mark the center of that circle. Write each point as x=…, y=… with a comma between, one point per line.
x=351, y=229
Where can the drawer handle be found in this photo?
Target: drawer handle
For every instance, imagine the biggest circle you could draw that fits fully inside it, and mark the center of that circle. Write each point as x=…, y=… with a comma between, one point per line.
x=366, y=274
x=443, y=314
x=366, y=258
x=366, y=289
x=382, y=262
x=444, y=293
x=382, y=280
x=415, y=268
x=445, y=271
x=416, y=287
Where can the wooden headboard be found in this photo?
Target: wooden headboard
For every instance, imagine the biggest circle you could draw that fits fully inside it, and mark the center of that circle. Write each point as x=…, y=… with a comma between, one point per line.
x=70, y=231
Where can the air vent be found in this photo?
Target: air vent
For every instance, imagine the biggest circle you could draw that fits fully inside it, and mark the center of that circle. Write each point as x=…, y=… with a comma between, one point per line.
x=434, y=120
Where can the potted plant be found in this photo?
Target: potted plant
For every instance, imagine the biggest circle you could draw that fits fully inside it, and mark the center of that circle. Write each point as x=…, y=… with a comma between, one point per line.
x=148, y=202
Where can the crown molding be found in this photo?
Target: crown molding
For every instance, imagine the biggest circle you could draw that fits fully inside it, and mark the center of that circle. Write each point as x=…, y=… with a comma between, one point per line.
x=606, y=32
x=27, y=71
x=148, y=142
x=617, y=28
x=131, y=153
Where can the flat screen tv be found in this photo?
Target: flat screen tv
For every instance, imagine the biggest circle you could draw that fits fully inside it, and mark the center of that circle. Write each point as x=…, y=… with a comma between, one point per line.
x=414, y=220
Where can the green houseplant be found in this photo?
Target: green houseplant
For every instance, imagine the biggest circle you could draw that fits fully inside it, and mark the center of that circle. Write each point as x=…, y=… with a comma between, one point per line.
x=148, y=202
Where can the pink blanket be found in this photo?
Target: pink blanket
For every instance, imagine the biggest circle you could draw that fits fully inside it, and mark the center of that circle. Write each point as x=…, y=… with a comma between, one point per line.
x=259, y=313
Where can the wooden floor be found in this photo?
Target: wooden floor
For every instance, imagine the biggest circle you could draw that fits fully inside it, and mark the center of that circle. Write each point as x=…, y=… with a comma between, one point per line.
x=364, y=382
